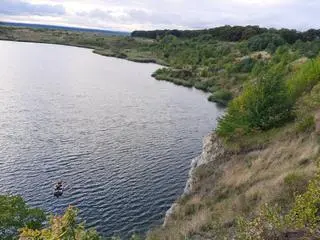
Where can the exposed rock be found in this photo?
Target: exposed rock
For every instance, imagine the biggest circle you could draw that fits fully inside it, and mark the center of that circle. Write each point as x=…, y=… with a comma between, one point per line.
x=213, y=151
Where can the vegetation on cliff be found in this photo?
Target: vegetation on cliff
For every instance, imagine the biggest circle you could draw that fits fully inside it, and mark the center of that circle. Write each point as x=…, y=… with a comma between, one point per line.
x=260, y=187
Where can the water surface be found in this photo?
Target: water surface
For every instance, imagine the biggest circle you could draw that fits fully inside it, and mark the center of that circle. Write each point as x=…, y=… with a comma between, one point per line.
x=121, y=140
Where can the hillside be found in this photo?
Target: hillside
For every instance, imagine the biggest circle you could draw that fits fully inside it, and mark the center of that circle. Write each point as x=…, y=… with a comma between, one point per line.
x=258, y=175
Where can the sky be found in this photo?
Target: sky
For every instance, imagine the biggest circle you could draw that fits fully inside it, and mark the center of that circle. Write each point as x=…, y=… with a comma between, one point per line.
x=129, y=15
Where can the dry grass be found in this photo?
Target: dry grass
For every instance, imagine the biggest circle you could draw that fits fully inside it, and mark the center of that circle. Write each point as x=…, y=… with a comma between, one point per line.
x=242, y=184
x=263, y=180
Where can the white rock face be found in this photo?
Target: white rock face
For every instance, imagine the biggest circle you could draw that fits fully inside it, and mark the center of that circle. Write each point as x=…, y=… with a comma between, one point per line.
x=212, y=150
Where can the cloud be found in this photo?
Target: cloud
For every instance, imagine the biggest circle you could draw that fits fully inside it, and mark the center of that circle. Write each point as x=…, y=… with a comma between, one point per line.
x=151, y=14
x=17, y=7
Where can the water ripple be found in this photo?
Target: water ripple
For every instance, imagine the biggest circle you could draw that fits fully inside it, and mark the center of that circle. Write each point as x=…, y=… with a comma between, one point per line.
x=122, y=141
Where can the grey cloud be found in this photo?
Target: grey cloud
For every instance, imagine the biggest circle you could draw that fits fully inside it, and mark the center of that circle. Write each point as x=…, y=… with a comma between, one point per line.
x=134, y=16
x=98, y=14
x=17, y=7
x=189, y=14
x=141, y=16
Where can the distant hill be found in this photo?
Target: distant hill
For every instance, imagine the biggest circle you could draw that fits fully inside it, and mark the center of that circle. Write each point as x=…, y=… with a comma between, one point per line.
x=75, y=29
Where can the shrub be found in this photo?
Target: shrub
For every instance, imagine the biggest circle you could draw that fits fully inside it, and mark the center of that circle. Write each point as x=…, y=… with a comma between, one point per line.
x=263, y=41
x=293, y=185
x=15, y=214
x=305, y=79
x=263, y=105
x=221, y=96
x=202, y=85
x=64, y=228
x=305, y=124
x=245, y=65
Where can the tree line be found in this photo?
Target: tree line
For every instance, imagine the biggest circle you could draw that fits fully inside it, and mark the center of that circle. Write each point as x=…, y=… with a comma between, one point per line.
x=233, y=33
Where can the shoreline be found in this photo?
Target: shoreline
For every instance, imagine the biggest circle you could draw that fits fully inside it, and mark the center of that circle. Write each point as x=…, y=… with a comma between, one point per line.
x=94, y=51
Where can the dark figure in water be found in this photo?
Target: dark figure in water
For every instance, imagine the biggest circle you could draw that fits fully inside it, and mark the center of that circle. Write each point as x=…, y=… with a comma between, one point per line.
x=58, y=189
x=58, y=185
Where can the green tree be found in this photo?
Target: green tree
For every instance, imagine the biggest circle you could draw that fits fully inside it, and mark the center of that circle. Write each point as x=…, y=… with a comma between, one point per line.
x=61, y=228
x=15, y=214
x=264, y=104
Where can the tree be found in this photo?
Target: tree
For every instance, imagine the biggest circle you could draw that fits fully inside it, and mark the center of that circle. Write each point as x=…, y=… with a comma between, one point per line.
x=264, y=104
x=269, y=105
x=63, y=228
x=15, y=214
x=261, y=42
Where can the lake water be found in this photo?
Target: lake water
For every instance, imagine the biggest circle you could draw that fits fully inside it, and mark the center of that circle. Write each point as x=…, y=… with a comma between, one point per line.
x=121, y=140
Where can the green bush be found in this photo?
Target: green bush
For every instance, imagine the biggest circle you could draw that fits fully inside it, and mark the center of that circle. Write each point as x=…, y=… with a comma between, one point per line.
x=264, y=41
x=293, y=185
x=15, y=214
x=63, y=228
x=305, y=124
x=246, y=65
x=263, y=105
x=305, y=79
x=221, y=96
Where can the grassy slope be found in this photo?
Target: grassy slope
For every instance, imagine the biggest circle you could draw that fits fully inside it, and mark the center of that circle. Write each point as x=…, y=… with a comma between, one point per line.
x=241, y=185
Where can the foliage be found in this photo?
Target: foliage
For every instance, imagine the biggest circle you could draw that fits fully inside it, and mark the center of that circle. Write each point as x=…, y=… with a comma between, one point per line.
x=221, y=96
x=229, y=33
x=263, y=105
x=62, y=228
x=304, y=214
x=245, y=65
x=15, y=214
x=265, y=41
x=305, y=79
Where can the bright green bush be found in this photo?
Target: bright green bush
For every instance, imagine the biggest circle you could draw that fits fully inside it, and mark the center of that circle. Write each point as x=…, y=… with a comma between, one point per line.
x=263, y=105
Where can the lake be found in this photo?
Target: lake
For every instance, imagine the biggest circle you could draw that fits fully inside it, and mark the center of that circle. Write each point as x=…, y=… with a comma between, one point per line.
x=122, y=140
